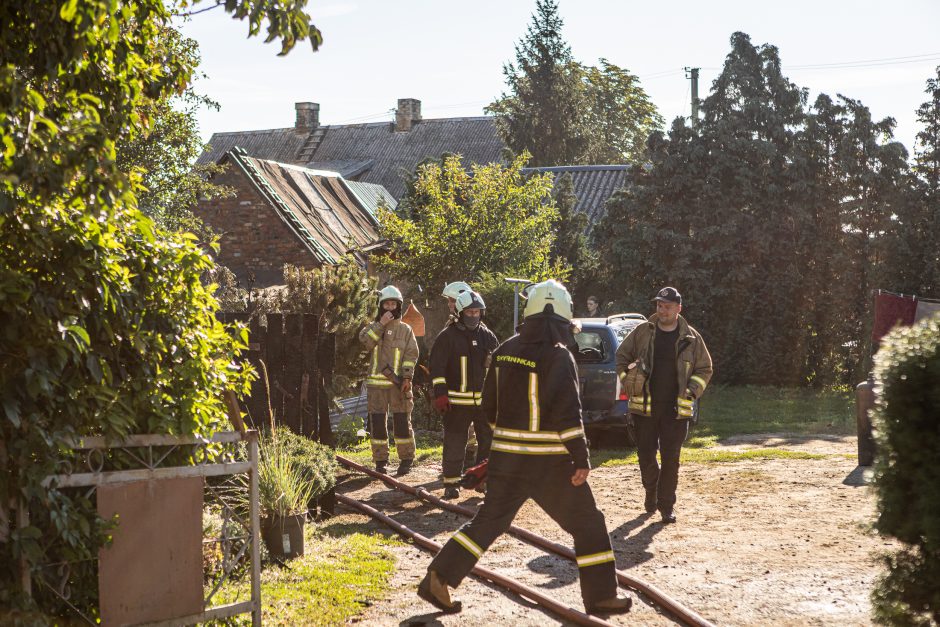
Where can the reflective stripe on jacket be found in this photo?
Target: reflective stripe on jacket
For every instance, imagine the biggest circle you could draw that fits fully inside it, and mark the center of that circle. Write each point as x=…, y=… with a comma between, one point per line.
x=458, y=361
x=635, y=363
x=531, y=398
x=393, y=345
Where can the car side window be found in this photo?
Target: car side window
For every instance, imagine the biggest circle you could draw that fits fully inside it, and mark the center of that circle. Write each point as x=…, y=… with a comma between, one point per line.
x=590, y=346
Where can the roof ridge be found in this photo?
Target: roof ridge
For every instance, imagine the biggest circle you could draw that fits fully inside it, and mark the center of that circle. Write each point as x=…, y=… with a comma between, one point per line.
x=578, y=168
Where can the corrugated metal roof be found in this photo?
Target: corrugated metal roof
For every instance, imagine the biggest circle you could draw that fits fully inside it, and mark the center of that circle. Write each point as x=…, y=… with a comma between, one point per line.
x=371, y=195
x=348, y=148
x=279, y=144
x=593, y=185
x=396, y=153
x=317, y=205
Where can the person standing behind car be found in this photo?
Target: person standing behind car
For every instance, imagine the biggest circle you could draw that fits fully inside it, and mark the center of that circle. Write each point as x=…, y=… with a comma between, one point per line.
x=394, y=354
x=663, y=366
x=459, y=360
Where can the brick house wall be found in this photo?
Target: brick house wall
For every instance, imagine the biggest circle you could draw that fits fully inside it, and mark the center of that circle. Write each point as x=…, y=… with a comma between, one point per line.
x=252, y=237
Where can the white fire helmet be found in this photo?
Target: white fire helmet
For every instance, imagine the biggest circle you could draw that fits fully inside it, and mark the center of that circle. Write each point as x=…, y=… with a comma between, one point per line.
x=469, y=300
x=549, y=292
x=390, y=292
x=453, y=290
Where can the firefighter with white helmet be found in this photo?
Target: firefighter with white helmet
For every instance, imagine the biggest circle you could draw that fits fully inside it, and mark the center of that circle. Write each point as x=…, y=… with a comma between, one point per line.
x=459, y=360
x=394, y=352
x=539, y=451
x=451, y=292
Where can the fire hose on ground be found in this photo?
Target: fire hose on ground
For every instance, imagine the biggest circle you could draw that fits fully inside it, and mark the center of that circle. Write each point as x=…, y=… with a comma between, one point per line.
x=657, y=596
x=547, y=602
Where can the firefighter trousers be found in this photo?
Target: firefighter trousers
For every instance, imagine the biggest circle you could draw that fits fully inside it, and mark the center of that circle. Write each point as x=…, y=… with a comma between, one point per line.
x=380, y=401
x=457, y=422
x=665, y=435
x=573, y=508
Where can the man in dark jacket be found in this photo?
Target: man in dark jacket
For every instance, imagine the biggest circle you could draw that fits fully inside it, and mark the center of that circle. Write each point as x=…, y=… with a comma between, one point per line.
x=459, y=359
x=539, y=451
x=664, y=367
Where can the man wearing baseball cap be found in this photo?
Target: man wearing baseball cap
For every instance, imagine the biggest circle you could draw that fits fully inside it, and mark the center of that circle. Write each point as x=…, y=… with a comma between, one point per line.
x=664, y=367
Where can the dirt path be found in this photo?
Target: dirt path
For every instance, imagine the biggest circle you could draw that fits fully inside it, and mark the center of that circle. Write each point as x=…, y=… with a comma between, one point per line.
x=758, y=542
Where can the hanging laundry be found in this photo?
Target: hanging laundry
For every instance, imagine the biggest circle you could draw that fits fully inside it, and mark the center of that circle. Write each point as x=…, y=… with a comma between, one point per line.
x=891, y=310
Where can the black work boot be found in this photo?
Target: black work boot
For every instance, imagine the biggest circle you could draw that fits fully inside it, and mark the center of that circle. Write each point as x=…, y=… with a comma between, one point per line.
x=451, y=492
x=668, y=515
x=404, y=467
x=650, y=502
x=614, y=605
x=433, y=590
x=382, y=467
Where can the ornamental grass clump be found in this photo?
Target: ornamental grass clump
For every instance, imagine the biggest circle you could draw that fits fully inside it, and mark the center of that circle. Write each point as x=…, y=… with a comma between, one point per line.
x=907, y=473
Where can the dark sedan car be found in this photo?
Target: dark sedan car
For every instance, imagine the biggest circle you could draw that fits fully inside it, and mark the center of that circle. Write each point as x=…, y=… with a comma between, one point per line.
x=603, y=403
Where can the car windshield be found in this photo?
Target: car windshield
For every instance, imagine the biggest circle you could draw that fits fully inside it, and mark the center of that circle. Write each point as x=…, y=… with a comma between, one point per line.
x=623, y=329
x=590, y=345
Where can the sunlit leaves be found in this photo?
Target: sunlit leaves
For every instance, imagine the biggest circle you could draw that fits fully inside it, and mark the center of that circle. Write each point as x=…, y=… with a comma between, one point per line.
x=464, y=223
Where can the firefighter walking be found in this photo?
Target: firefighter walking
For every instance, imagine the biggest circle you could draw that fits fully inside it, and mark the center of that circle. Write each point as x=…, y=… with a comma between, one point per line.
x=459, y=360
x=392, y=362
x=539, y=451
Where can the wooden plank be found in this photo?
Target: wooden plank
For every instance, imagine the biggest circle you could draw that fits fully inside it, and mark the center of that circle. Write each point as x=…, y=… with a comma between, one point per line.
x=255, y=507
x=152, y=570
x=152, y=439
x=293, y=370
x=257, y=402
x=310, y=390
x=274, y=349
x=213, y=613
x=77, y=480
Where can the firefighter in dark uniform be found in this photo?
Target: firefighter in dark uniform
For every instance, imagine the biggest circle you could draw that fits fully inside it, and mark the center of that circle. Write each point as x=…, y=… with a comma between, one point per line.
x=531, y=399
x=459, y=359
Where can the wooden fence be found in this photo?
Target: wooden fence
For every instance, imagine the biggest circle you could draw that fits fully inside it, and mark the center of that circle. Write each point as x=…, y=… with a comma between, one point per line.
x=294, y=359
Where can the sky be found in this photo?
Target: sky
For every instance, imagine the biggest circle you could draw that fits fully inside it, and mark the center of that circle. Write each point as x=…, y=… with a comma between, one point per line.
x=450, y=55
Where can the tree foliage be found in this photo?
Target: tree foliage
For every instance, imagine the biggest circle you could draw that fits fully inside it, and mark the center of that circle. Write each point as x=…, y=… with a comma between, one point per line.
x=491, y=219
x=916, y=242
x=565, y=113
x=107, y=328
x=907, y=475
x=773, y=217
x=164, y=153
x=571, y=247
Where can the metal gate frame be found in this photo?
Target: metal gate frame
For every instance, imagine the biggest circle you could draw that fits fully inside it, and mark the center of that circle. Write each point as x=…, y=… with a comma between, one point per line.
x=152, y=469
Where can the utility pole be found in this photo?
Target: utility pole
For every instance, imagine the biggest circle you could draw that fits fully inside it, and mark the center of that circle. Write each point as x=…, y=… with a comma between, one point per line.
x=691, y=73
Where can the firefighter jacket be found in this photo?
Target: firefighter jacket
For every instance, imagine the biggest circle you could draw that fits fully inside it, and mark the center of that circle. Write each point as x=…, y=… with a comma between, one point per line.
x=393, y=345
x=459, y=359
x=531, y=400
x=635, y=363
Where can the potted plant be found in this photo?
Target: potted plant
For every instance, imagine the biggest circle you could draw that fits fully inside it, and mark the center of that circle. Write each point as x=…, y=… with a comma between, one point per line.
x=284, y=493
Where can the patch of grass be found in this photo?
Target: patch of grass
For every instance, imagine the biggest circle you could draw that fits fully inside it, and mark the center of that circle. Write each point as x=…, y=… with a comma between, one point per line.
x=345, y=567
x=611, y=458
x=725, y=411
x=737, y=410
x=428, y=447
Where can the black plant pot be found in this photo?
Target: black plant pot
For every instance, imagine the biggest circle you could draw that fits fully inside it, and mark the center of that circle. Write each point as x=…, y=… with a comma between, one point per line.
x=284, y=536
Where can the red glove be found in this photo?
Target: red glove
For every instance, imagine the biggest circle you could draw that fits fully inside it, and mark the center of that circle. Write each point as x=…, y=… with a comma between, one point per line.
x=442, y=404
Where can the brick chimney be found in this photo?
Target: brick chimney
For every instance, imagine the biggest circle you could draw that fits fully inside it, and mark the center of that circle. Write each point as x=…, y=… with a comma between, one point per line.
x=308, y=116
x=408, y=112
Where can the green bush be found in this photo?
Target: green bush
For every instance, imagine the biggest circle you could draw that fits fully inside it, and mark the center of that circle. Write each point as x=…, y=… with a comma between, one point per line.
x=316, y=462
x=350, y=431
x=907, y=474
